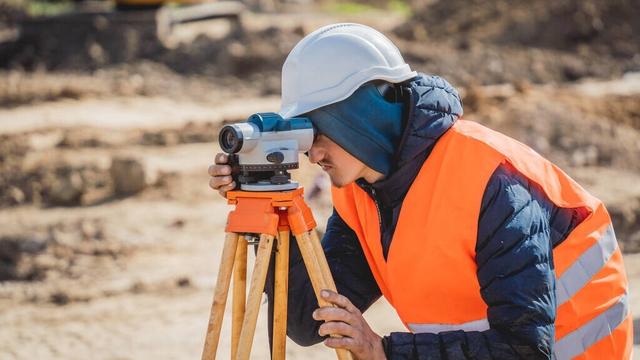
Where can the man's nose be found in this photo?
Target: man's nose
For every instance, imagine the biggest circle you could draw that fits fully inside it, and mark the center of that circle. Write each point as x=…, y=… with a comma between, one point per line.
x=315, y=154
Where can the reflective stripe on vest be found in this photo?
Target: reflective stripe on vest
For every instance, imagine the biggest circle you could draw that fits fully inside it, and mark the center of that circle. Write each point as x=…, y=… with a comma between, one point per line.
x=578, y=341
x=570, y=346
x=477, y=325
x=586, y=266
x=575, y=278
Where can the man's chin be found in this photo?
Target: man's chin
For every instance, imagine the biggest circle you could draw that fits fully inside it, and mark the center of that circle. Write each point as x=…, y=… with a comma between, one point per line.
x=339, y=183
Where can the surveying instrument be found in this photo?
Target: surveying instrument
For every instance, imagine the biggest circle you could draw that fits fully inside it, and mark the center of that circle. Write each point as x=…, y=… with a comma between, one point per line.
x=269, y=206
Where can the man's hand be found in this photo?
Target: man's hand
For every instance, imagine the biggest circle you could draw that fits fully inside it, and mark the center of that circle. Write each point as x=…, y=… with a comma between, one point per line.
x=347, y=321
x=221, y=175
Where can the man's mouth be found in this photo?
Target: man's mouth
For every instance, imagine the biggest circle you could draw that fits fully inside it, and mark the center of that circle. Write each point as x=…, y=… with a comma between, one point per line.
x=325, y=167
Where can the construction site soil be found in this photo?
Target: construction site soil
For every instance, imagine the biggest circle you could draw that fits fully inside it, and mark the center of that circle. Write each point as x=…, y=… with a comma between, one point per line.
x=109, y=235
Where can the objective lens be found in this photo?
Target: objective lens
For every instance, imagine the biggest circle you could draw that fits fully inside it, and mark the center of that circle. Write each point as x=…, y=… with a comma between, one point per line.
x=230, y=139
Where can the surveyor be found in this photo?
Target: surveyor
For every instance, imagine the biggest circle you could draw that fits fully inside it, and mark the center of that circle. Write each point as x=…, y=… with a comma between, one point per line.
x=485, y=249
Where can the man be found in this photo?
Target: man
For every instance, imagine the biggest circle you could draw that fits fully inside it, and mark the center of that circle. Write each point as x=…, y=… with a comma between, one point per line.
x=485, y=249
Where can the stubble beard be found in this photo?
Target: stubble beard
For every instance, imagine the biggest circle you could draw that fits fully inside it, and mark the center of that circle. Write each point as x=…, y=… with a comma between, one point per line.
x=335, y=182
x=338, y=181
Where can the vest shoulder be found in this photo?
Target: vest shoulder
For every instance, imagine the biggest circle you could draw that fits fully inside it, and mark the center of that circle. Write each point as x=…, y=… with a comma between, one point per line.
x=559, y=187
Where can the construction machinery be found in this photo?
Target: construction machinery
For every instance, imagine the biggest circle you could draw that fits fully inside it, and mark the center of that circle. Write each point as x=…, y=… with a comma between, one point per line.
x=96, y=33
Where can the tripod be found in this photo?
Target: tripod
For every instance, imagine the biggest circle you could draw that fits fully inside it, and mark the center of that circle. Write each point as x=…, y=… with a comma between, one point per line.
x=273, y=215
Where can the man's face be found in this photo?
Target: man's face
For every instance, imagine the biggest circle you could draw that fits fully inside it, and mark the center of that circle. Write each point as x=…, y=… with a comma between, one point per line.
x=341, y=166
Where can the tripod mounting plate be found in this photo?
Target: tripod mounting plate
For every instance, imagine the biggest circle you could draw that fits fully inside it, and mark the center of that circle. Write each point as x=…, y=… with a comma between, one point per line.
x=262, y=212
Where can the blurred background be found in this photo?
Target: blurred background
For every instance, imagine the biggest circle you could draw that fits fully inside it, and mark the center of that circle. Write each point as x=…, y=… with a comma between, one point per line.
x=109, y=111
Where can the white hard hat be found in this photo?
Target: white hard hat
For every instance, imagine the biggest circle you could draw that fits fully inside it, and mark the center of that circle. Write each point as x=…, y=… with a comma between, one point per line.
x=329, y=64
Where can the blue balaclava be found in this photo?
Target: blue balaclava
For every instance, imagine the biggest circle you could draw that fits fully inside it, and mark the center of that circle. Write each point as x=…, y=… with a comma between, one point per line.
x=365, y=125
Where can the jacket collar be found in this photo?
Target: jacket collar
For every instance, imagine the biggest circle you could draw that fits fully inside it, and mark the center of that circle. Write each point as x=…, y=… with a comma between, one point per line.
x=432, y=106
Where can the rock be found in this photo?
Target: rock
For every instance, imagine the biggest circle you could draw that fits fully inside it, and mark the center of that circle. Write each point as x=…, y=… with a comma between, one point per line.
x=161, y=137
x=128, y=175
x=178, y=223
x=16, y=258
x=626, y=222
x=91, y=230
x=585, y=156
x=138, y=287
x=183, y=282
x=620, y=192
x=16, y=195
x=9, y=258
x=65, y=188
x=574, y=70
x=60, y=298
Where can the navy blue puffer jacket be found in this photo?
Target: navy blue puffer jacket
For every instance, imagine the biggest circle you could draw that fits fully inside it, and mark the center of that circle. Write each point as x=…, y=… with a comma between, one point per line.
x=517, y=230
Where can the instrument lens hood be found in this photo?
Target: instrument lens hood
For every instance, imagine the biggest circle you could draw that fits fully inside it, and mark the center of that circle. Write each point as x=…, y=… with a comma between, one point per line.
x=230, y=139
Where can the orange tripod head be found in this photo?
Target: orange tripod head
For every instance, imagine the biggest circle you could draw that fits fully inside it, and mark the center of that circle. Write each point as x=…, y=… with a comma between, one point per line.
x=266, y=212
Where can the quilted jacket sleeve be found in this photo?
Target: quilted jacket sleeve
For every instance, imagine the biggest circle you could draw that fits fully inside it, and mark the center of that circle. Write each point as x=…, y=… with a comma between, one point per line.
x=515, y=272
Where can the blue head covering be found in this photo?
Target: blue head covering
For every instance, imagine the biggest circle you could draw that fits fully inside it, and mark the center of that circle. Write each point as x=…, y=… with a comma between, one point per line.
x=365, y=125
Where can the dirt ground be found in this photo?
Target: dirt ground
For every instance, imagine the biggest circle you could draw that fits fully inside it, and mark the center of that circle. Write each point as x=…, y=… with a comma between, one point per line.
x=109, y=235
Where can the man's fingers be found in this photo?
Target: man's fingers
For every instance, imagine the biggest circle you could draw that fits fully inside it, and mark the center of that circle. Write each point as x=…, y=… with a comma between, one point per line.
x=337, y=328
x=340, y=343
x=339, y=300
x=219, y=170
x=330, y=313
x=229, y=187
x=221, y=158
x=216, y=182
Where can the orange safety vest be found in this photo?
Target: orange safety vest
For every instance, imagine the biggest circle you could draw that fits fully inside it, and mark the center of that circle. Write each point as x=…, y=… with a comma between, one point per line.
x=430, y=273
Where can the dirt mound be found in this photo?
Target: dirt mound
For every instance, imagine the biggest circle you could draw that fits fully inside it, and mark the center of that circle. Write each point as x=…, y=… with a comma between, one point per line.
x=239, y=55
x=499, y=41
x=87, y=42
x=570, y=130
x=33, y=172
x=607, y=27
x=53, y=183
x=60, y=251
x=81, y=41
x=476, y=63
x=141, y=78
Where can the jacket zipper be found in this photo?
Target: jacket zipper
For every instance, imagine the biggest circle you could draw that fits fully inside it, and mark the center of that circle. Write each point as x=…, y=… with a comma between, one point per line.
x=375, y=201
x=372, y=192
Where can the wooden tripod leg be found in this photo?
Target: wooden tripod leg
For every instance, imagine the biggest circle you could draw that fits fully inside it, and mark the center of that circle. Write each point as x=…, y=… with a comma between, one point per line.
x=315, y=262
x=220, y=297
x=280, y=297
x=322, y=260
x=239, y=294
x=255, y=294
